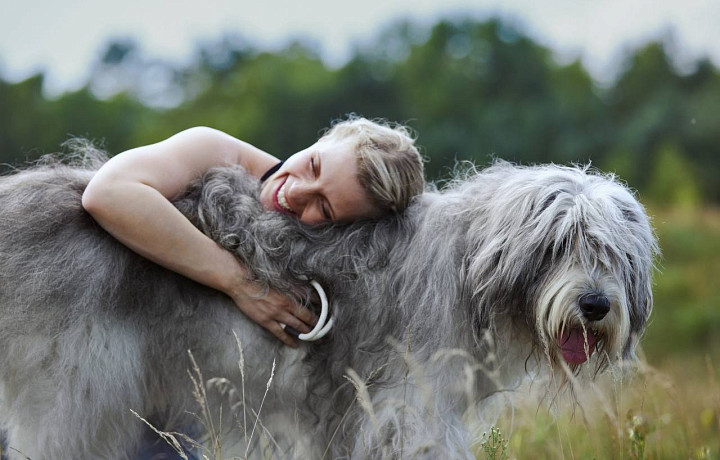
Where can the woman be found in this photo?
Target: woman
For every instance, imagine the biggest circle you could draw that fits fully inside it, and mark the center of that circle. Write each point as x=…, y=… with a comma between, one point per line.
x=359, y=169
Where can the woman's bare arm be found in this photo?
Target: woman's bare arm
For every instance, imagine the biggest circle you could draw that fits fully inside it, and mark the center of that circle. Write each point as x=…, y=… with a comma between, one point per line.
x=130, y=197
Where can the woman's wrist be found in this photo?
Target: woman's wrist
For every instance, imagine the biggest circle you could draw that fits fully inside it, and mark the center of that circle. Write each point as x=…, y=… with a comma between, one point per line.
x=233, y=278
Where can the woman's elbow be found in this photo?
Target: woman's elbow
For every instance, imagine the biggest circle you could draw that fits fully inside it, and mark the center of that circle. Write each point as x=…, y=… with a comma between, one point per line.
x=95, y=197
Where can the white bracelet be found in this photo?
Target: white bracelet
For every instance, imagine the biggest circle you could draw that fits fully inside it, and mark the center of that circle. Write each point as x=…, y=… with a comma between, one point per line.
x=322, y=327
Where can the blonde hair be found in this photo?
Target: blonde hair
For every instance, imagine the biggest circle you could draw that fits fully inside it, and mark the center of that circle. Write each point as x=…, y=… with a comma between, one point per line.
x=390, y=168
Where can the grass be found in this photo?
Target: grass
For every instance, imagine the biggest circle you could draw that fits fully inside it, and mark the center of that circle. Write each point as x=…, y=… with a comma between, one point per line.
x=650, y=415
x=646, y=414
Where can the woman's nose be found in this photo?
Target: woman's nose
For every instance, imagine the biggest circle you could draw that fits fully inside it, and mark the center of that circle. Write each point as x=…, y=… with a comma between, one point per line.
x=302, y=199
x=300, y=194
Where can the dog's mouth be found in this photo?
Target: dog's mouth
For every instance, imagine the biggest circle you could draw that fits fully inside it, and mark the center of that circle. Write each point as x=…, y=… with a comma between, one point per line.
x=577, y=344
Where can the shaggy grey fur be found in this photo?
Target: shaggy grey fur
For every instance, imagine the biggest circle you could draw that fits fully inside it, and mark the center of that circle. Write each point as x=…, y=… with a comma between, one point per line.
x=463, y=295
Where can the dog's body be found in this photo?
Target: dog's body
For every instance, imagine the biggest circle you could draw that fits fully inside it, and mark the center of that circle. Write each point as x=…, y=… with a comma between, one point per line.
x=465, y=294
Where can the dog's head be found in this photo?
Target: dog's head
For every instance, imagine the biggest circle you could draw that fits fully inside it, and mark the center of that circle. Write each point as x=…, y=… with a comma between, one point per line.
x=569, y=253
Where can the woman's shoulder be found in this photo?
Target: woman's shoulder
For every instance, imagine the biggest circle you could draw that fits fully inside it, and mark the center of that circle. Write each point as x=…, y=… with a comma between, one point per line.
x=205, y=140
x=203, y=134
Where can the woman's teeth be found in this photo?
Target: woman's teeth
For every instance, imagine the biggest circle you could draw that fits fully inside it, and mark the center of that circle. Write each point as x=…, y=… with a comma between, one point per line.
x=282, y=201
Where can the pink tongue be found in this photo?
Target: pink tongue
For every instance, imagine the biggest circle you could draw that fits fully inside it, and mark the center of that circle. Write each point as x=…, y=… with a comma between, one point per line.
x=572, y=344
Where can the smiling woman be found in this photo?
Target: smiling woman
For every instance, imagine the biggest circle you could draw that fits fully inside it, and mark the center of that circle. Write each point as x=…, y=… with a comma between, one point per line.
x=360, y=169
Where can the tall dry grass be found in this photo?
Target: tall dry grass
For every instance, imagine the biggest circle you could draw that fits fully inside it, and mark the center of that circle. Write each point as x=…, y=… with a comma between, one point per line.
x=645, y=415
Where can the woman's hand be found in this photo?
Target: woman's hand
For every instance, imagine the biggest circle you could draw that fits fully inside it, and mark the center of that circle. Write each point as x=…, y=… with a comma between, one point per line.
x=270, y=309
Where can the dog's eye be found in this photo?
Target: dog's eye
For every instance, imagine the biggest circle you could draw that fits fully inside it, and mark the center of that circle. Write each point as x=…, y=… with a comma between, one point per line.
x=630, y=261
x=561, y=248
x=548, y=201
x=629, y=216
x=628, y=213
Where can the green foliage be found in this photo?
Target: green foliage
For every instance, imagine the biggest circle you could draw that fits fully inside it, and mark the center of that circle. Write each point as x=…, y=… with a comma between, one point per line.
x=672, y=181
x=494, y=445
x=623, y=163
x=686, y=317
x=472, y=90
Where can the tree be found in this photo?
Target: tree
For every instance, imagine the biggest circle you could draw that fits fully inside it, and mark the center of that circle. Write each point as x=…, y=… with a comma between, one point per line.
x=673, y=182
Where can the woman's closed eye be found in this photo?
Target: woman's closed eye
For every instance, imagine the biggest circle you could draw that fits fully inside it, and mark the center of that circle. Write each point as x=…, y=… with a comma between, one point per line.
x=324, y=206
x=325, y=211
x=314, y=166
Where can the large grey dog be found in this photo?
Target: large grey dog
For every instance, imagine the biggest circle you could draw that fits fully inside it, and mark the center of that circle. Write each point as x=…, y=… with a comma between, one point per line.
x=508, y=273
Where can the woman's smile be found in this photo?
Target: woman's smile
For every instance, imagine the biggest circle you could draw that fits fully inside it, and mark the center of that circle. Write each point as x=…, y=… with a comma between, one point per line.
x=281, y=198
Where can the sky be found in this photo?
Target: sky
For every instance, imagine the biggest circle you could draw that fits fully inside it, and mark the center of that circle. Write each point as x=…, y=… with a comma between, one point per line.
x=63, y=37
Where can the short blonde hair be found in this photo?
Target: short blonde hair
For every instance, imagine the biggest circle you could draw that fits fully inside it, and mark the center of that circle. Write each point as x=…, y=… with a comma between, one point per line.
x=390, y=168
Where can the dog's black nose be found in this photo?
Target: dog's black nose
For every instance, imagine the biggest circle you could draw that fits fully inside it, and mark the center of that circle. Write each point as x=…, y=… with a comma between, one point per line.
x=594, y=306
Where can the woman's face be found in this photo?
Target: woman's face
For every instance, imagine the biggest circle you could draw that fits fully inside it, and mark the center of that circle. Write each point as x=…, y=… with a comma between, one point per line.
x=319, y=184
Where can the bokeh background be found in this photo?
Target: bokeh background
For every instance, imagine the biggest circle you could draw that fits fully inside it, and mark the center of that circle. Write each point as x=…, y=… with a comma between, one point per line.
x=632, y=87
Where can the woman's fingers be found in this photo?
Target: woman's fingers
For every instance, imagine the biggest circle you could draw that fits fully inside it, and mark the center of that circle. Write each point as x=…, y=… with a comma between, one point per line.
x=287, y=305
x=304, y=315
x=277, y=330
x=294, y=322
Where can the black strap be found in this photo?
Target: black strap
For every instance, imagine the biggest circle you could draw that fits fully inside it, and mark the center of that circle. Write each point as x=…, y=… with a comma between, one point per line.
x=271, y=171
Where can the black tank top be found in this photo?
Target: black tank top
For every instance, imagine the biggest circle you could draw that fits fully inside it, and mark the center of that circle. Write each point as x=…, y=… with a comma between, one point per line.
x=270, y=172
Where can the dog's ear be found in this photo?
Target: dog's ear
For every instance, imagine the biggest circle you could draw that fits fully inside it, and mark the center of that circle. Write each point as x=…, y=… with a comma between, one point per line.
x=637, y=261
x=638, y=282
x=638, y=289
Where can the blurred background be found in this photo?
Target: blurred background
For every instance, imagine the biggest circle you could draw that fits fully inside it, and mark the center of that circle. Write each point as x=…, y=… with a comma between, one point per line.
x=631, y=86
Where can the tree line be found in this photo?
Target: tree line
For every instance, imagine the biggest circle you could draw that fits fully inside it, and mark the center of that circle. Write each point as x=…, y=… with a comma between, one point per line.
x=471, y=91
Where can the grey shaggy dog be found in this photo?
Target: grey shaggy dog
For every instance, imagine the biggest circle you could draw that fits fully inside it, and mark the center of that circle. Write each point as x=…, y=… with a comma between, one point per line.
x=509, y=273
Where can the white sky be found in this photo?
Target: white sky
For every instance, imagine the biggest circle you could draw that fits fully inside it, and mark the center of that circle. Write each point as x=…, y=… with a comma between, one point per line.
x=63, y=37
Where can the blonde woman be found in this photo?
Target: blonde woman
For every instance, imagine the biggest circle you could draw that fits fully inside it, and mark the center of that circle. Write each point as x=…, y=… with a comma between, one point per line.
x=359, y=169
